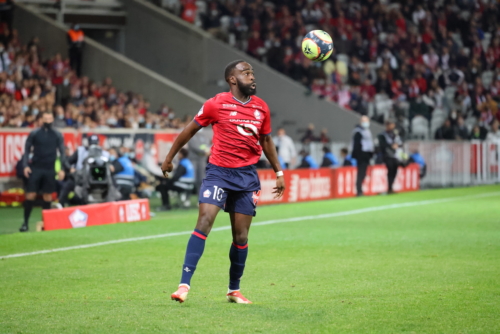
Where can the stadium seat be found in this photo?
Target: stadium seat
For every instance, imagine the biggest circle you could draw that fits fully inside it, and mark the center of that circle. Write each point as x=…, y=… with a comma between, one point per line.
x=420, y=127
x=487, y=78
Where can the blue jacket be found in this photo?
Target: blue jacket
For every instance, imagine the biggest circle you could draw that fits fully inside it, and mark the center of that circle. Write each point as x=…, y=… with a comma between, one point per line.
x=189, y=173
x=128, y=168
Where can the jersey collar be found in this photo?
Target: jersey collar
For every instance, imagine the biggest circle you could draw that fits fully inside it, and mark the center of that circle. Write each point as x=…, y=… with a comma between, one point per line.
x=250, y=99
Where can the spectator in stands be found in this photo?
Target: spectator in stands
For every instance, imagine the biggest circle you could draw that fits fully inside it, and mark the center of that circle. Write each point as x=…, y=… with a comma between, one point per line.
x=478, y=133
x=76, y=44
x=362, y=150
x=390, y=143
x=4, y=59
x=445, y=132
x=307, y=161
x=329, y=159
x=347, y=159
x=461, y=131
x=286, y=148
x=182, y=181
x=309, y=135
x=494, y=133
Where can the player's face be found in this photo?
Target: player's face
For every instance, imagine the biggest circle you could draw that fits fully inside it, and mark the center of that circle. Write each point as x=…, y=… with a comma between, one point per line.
x=245, y=79
x=47, y=118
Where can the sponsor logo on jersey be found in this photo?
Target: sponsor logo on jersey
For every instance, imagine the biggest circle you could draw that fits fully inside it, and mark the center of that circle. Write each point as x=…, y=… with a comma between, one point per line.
x=229, y=106
x=207, y=193
x=256, y=106
x=247, y=129
x=257, y=114
x=233, y=113
x=201, y=111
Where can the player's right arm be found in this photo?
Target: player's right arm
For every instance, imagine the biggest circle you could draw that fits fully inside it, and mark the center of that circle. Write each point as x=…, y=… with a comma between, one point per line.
x=27, y=150
x=189, y=131
x=206, y=116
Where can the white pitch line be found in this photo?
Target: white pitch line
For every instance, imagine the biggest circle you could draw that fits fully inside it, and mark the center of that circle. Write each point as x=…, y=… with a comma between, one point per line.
x=267, y=222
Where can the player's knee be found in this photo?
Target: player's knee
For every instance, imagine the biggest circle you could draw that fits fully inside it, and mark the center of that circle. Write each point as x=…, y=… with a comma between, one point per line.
x=205, y=221
x=47, y=197
x=30, y=196
x=241, y=237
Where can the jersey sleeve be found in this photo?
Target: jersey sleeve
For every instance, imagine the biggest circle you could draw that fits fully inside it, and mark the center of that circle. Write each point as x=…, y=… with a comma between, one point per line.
x=266, y=125
x=207, y=114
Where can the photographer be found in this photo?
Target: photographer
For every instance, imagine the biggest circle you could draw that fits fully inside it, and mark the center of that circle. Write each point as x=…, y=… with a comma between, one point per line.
x=75, y=164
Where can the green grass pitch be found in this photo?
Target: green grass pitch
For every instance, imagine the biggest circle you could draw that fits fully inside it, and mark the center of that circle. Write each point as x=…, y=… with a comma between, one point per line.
x=427, y=268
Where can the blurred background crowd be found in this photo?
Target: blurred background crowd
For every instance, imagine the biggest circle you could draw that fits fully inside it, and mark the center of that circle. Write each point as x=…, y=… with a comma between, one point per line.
x=432, y=65
x=31, y=85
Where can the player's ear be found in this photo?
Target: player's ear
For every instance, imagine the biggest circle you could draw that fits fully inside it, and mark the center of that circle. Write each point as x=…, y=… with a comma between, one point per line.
x=231, y=80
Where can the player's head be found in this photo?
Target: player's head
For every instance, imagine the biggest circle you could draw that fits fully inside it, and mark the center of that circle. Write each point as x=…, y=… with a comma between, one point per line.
x=47, y=119
x=326, y=149
x=239, y=74
x=390, y=124
x=183, y=153
x=344, y=152
x=364, y=122
x=281, y=132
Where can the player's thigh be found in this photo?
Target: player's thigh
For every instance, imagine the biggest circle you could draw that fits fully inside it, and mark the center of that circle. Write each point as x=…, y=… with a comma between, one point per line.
x=48, y=184
x=35, y=181
x=240, y=226
x=206, y=217
x=212, y=192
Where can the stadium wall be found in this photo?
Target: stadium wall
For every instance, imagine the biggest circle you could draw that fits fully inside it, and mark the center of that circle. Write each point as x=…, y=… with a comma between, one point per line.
x=192, y=58
x=100, y=62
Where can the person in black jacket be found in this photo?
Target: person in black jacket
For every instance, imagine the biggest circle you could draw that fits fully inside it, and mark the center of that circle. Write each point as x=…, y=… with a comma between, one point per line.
x=362, y=150
x=40, y=173
x=389, y=142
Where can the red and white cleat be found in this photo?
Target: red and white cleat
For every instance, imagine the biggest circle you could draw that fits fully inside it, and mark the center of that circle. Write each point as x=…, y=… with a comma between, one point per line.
x=181, y=294
x=237, y=297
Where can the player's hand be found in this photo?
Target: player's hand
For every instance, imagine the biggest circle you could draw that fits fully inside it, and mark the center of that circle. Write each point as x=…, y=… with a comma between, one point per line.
x=166, y=167
x=27, y=172
x=61, y=175
x=72, y=170
x=279, y=190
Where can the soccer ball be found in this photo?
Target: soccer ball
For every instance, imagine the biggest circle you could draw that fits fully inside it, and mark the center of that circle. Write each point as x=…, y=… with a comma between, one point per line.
x=317, y=45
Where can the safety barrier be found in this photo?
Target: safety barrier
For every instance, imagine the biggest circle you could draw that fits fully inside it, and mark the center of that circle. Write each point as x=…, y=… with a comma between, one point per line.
x=326, y=183
x=96, y=214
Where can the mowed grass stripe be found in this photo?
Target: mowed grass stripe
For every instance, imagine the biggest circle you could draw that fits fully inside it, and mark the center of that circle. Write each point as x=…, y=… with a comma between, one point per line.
x=268, y=222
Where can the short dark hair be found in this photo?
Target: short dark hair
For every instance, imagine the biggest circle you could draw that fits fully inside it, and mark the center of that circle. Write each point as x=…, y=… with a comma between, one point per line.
x=184, y=152
x=344, y=150
x=230, y=67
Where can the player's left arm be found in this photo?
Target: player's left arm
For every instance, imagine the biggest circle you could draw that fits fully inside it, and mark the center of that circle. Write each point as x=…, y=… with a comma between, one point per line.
x=62, y=154
x=267, y=144
x=270, y=151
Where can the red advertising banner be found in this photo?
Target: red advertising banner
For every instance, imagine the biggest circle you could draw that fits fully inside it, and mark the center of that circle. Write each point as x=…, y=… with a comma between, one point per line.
x=96, y=214
x=148, y=145
x=326, y=183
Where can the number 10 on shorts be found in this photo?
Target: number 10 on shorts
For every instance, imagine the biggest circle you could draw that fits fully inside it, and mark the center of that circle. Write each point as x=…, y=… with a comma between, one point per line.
x=218, y=192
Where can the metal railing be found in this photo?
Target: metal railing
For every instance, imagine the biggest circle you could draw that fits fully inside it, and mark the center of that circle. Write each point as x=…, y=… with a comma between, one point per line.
x=449, y=163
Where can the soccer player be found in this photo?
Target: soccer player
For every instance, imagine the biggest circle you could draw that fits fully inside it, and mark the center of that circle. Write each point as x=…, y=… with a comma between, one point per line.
x=242, y=126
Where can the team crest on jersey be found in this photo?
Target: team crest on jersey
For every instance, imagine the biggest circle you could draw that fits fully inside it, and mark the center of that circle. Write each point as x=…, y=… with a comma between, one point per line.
x=257, y=114
x=207, y=193
x=255, y=197
x=201, y=111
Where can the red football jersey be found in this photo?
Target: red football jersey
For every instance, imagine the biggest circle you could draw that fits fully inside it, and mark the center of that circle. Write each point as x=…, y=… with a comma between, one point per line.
x=237, y=128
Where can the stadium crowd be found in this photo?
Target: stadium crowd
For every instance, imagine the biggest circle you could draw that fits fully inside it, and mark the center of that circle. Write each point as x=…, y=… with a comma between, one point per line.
x=31, y=85
x=420, y=62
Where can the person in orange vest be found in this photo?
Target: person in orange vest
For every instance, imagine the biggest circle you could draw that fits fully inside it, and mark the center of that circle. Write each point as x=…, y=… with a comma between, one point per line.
x=6, y=7
x=76, y=43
